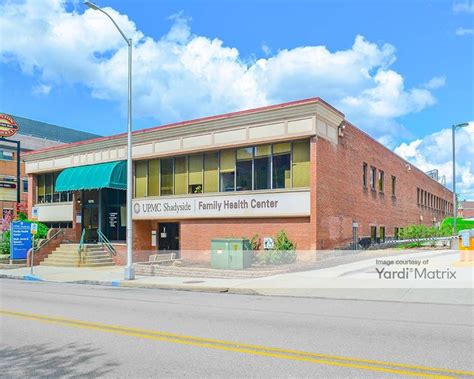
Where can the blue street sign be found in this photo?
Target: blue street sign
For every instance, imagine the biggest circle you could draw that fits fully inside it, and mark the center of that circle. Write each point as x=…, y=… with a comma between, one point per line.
x=20, y=239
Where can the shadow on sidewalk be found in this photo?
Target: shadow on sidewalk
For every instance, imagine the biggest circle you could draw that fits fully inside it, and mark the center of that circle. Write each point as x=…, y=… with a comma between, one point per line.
x=42, y=360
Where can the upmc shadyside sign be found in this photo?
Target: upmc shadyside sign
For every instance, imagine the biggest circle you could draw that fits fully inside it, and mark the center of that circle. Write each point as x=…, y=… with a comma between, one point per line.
x=20, y=239
x=8, y=126
x=280, y=204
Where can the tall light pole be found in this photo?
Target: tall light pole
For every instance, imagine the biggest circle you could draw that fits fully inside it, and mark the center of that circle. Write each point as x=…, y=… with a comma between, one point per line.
x=455, y=206
x=129, y=270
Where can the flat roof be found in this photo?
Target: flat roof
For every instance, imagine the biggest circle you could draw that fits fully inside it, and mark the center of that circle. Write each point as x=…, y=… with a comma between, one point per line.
x=196, y=121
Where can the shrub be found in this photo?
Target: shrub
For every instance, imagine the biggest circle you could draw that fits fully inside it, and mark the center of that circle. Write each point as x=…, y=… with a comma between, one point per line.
x=5, y=243
x=284, y=251
x=255, y=242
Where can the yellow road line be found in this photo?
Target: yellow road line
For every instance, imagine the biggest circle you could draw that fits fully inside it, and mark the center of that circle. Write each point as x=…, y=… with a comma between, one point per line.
x=363, y=364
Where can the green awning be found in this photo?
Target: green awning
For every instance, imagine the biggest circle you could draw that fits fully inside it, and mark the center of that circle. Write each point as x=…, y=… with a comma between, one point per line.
x=102, y=175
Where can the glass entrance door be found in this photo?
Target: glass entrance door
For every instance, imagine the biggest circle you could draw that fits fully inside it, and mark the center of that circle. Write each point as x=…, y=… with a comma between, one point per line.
x=91, y=223
x=168, y=237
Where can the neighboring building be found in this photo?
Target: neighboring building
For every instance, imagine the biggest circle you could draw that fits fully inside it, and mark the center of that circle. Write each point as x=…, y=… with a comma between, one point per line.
x=466, y=209
x=298, y=167
x=33, y=135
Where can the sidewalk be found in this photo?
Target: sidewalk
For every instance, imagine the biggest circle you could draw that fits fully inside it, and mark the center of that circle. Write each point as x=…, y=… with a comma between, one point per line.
x=355, y=280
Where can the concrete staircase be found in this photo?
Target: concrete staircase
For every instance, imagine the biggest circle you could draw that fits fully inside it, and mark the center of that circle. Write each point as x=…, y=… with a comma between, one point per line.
x=66, y=255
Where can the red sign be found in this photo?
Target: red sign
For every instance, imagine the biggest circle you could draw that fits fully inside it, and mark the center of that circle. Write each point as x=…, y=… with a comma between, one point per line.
x=8, y=126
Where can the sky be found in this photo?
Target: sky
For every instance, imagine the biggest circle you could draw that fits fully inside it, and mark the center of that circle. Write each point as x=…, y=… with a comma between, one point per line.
x=400, y=70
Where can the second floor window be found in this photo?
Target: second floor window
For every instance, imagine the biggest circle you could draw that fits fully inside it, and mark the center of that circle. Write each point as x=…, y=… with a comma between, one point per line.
x=373, y=177
x=364, y=174
x=381, y=181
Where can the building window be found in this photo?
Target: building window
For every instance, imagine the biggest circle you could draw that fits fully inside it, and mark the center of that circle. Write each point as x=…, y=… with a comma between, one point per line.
x=25, y=185
x=373, y=177
x=211, y=172
x=262, y=167
x=153, y=185
x=373, y=233
x=381, y=181
x=46, y=192
x=7, y=211
x=382, y=234
x=167, y=169
x=244, y=169
x=301, y=164
x=48, y=188
x=195, y=173
x=180, y=175
x=281, y=165
x=364, y=174
x=6, y=155
x=394, y=185
x=227, y=171
x=141, y=173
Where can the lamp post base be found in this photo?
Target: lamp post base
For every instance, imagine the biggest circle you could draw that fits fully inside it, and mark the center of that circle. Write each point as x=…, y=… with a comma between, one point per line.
x=129, y=273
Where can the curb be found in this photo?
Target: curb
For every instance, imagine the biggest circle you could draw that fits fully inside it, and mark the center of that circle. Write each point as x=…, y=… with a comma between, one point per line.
x=223, y=290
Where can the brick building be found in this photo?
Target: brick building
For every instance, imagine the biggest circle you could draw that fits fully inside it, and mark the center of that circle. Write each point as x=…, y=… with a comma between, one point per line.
x=32, y=135
x=298, y=167
x=466, y=209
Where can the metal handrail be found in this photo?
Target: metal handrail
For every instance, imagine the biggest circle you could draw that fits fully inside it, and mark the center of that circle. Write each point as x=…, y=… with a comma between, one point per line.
x=44, y=242
x=81, y=243
x=105, y=241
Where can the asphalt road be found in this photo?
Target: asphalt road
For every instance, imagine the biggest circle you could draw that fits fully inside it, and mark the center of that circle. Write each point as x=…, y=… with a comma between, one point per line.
x=66, y=330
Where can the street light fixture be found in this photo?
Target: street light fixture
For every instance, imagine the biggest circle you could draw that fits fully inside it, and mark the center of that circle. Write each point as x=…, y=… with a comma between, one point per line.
x=129, y=270
x=455, y=206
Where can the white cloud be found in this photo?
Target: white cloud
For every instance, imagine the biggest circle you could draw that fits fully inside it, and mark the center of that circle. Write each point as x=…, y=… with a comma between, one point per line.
x=183, y=75
x=435, y=83
x=463, y=7
x=266, y=49
x=464, y=31
x=41, y=89
x=434, y=152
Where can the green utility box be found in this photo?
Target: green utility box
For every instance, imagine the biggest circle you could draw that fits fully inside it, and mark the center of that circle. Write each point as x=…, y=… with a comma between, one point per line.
x=231, y=253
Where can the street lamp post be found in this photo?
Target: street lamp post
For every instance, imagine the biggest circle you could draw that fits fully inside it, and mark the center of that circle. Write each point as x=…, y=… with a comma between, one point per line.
x=129, y=270
x=455, y=206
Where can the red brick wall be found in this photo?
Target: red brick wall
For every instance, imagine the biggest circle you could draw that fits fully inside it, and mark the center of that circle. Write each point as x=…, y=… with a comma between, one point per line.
x=196, y=235
x=342, y=199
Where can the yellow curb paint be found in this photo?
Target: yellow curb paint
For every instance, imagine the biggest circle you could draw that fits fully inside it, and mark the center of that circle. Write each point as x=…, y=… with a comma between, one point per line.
x=259, y=350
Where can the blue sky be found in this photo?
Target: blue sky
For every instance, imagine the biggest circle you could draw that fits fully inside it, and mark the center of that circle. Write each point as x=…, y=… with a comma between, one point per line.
x=401, y=70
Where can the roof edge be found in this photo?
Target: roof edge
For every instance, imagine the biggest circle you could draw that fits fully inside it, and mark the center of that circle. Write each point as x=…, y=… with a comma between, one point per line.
x=193, y=121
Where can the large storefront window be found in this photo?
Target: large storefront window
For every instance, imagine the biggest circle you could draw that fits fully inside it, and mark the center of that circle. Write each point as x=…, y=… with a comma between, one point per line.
x=141, y=168
x=262, y=167
x=45, y=189
x=281, y=165
x=195, y=175
x=211, y=172
x=227, y=171
x=300, y=165
x=167, y=176
x=244, y=169
x=180, y=175
x=154, y=177
x=278, y=166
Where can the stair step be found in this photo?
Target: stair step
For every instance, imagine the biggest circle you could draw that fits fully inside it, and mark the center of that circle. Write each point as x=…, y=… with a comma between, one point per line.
x=83, y=254
x=67, y=255
x=60, y=264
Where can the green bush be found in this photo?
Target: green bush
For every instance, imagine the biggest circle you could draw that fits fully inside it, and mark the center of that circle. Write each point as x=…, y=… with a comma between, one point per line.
x=5, y=243
x=284, y=251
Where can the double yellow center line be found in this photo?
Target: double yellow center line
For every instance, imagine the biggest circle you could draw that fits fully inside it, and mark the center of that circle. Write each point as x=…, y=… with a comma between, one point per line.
x=295, y=355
